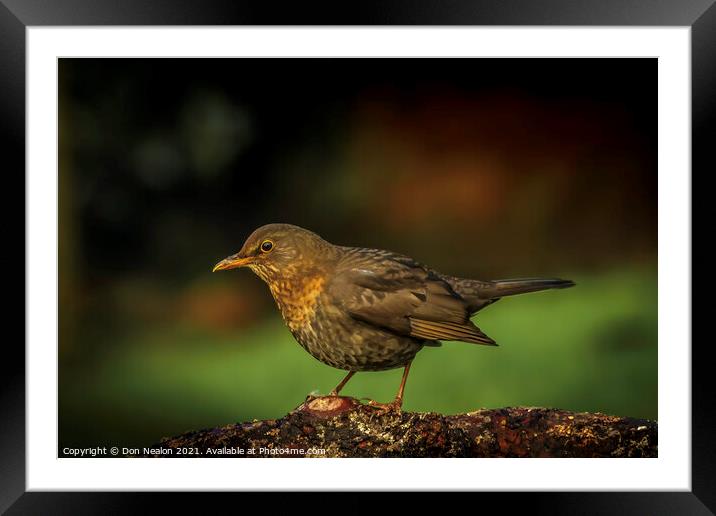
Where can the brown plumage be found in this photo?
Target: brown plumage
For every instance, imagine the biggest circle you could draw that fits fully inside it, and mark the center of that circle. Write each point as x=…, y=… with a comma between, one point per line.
x=363, y=309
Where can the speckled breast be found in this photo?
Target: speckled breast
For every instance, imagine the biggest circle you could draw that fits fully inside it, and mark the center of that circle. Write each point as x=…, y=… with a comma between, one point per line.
x=297, y=300
x=334, y=337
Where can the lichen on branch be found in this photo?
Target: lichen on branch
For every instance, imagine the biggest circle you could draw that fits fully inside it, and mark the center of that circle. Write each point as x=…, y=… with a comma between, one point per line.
x=344, y=427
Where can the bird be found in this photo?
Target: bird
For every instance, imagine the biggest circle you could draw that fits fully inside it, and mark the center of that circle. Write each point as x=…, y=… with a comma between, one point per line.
x=361, y=309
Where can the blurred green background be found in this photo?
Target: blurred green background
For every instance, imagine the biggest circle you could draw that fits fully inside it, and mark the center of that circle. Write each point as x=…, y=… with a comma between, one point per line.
x=484, y=168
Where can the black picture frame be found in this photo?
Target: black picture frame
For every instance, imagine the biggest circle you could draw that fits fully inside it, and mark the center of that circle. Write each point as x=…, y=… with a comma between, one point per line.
x=17, y=15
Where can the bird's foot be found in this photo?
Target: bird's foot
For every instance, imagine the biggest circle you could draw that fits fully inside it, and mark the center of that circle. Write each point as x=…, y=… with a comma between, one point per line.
x=394, y=406
x=313, y=395
x=326, y=406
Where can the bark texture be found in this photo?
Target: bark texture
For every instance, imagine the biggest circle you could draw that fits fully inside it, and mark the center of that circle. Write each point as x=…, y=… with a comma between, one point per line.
x=343, y=427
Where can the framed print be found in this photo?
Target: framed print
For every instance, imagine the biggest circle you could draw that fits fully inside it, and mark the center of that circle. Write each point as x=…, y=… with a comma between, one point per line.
x=262, y=233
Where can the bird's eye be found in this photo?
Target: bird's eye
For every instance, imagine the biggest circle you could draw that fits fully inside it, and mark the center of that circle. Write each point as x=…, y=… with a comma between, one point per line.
x=266, y=246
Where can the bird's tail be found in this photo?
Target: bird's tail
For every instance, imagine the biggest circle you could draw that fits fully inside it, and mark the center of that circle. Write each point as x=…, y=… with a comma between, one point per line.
x=510, y=287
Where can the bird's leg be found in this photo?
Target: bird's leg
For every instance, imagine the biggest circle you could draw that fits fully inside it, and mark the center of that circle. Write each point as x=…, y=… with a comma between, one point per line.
x=336, y=390
x=399, y=398
x=397, y=403
x=338, y=387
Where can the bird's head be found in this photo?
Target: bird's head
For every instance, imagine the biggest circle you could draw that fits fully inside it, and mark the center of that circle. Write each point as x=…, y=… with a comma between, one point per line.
x=274, y=251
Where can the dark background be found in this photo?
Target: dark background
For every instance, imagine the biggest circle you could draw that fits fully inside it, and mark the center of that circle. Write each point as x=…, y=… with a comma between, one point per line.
x=478, y=167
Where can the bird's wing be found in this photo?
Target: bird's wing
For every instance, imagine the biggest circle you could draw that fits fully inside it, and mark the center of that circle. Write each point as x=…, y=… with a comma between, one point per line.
x=394, y=292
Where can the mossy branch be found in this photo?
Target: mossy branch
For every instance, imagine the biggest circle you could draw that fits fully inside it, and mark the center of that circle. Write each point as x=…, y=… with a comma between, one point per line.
x=343, y=427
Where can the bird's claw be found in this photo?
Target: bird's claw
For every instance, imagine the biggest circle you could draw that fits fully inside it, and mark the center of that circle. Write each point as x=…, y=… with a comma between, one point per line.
x=384, y=408
x=312, y=396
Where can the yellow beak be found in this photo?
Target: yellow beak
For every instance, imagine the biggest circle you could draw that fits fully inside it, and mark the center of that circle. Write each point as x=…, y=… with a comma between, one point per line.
x=232, y=262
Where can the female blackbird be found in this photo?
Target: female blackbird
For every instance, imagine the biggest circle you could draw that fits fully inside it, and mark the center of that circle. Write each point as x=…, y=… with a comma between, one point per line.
x=363, y=309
